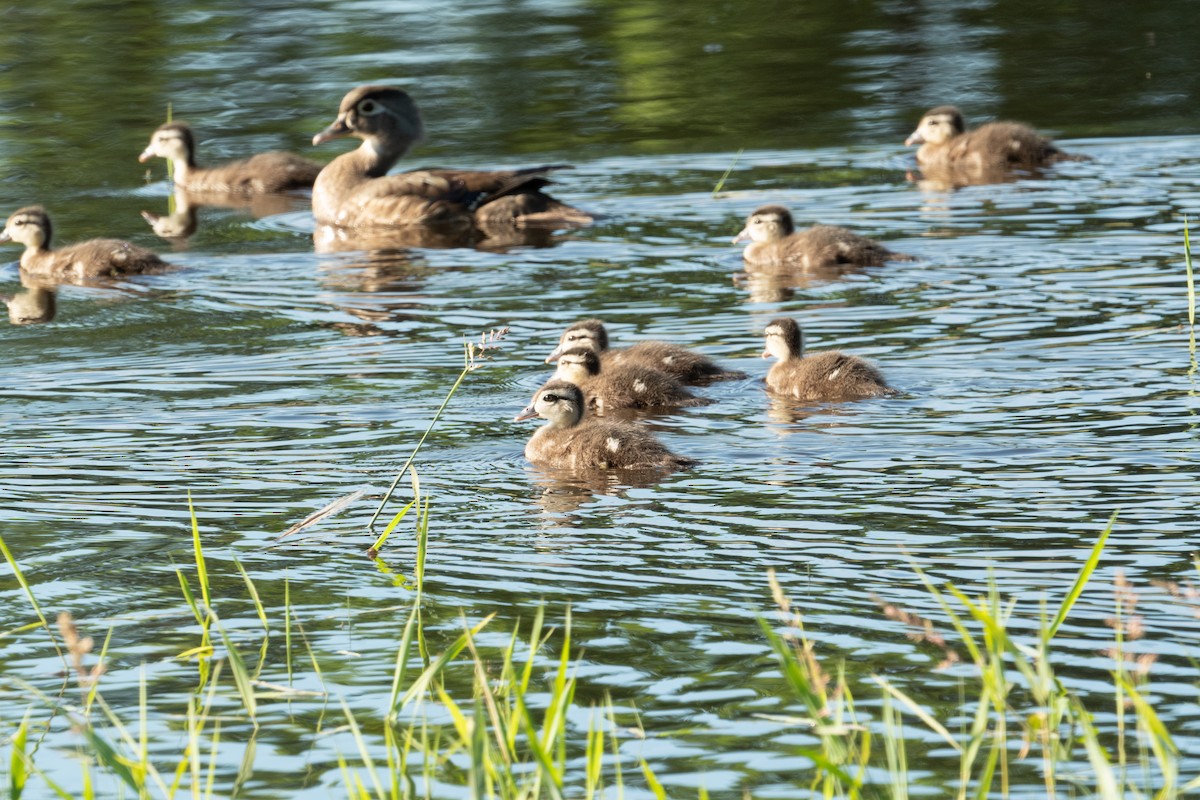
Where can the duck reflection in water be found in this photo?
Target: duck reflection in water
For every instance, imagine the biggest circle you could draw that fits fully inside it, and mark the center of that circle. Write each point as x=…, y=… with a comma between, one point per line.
x=565, y=491
x=182, y=218
x=37, y=303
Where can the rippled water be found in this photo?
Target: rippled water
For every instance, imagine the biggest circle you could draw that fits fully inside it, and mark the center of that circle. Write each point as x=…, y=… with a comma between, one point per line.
x=1038, y=342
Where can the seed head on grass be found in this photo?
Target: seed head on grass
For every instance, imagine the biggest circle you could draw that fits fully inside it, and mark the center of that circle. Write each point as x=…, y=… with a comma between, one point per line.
x=923, y=631
x=78, y=647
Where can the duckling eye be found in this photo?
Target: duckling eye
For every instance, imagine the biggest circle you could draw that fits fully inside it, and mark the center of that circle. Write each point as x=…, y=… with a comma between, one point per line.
x=369, y=108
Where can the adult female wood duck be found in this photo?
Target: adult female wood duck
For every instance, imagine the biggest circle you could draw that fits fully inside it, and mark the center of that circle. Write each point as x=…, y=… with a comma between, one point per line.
x=686, y=366
x=828, y=376
x=774, y=240
x=354, y=190
x=274, y=171
x=572, y=440
x=95, y=258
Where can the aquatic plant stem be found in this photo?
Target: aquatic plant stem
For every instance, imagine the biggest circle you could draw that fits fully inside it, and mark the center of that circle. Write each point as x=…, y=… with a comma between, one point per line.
x=1191, y=287
x=721, y=183
x=392, y=489
x=472, y=352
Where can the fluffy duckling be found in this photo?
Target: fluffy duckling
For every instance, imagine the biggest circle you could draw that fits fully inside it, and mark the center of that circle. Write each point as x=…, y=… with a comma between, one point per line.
x=774, y=240
x=828, y=376
x=275, y=171
x=683, y=365
x=574, y=442
x=945, y=142
x=95, y=258
x=621, y=385
x=355, y=191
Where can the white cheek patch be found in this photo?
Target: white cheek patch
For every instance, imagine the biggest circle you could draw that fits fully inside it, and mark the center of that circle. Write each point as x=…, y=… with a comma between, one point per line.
x=613, y=444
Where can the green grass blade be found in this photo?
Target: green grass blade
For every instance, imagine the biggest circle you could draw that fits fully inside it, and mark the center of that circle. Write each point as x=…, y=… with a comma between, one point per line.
x=721, y=183
x=391, y=526
x=652, y=781
x=1081, y=580
x=201, y=569
x=18, y=769
x=253, y=590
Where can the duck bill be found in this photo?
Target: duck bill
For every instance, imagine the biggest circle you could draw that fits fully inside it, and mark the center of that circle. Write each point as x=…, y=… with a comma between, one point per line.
x=337, y=130
x=528, y=413
x=150, y=217
x=766, y=353
x=146, y=155
x=916, y=138
x=550, y=359
x=5, y=237
x=744, y=236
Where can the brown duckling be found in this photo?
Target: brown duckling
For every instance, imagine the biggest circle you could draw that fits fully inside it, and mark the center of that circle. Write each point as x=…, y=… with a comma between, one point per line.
x=274, y=171
x=95, y=258
x=574, y=441
x=355, y=191
x=686, y=366
x=828, y=376
x=774, y=240
x=945, y=142
x=621, y=385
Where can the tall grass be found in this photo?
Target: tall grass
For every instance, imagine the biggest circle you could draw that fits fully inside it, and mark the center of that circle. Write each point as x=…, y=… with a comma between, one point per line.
x=515, y=731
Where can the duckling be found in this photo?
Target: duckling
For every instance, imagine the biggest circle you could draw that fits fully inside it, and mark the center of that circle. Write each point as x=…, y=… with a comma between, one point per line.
x=621, y=385
x=828, y=376
x=774, y=240
x=574, y=441
x=95, y=258
x=275, y=171
x=354, y=190
x=686, y=366
x=945, y=142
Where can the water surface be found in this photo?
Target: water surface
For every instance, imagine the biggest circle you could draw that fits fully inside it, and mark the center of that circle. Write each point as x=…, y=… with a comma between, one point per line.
x=1038, y=342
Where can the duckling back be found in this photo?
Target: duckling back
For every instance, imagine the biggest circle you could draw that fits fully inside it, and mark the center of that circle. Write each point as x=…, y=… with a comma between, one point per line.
x=829, y=376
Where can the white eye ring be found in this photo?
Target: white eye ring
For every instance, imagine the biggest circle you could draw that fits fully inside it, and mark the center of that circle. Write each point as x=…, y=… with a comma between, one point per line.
x=369, y=108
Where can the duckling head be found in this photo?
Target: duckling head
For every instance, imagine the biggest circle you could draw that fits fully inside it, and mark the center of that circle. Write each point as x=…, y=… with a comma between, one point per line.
x=173, y=141
x=384, y=117
x=29, y=226
x=587, y=333
x=939, y=125
x=784, y=339
x=767, y=224
x=577, y=364
x=560, y=402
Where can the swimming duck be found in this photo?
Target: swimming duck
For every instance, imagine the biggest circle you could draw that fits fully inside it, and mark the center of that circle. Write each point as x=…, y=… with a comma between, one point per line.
x=621, y=385
x=945, y=142
x=354, y=190
x=680, y=363
x=574, y=441
x=95, y=258
x=275, y=171
x=774, y=240
x=828, y=376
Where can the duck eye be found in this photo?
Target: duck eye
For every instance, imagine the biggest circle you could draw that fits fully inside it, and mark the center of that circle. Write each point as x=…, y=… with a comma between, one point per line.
x=368, y=107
